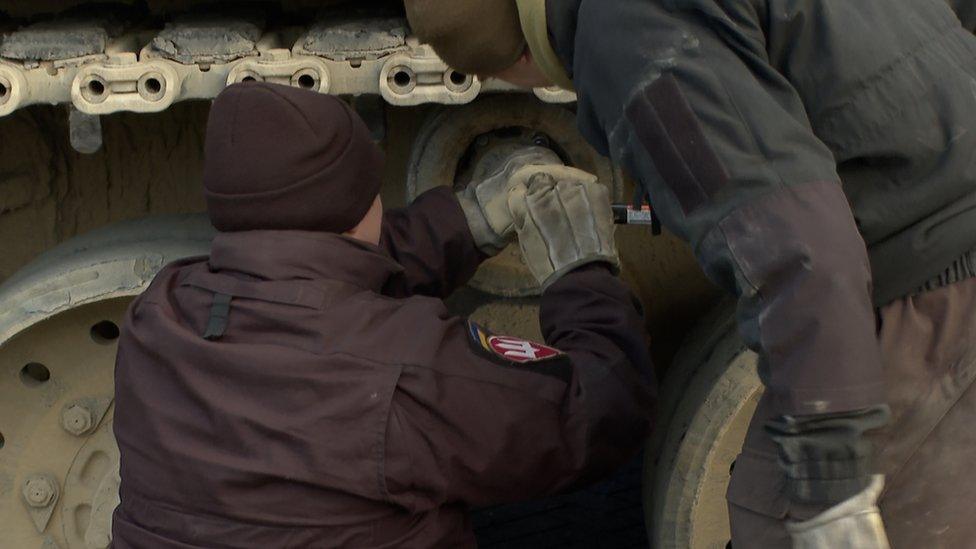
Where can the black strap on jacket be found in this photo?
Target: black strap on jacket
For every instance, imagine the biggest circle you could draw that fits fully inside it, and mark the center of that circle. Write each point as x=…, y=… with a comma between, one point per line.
x=641, y=197
x=219, y=311
x=224, y=288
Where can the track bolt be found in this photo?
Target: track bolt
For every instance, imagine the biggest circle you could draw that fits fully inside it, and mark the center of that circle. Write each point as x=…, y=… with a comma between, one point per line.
x=77, y=419
x=39, y=491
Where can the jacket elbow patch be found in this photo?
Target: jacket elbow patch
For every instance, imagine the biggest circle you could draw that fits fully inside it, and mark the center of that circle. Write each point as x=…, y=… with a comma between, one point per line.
x=520, y=354
x=673, y=137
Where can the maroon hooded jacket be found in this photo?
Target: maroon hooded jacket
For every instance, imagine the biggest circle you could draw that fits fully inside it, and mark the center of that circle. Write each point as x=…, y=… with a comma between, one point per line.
x=301, y=389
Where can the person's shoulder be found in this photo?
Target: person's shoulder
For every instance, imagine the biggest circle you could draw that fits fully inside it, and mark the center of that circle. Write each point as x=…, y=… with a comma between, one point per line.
x=170, y=277
x=394, y=329
x=416, y=316
x=417, y=304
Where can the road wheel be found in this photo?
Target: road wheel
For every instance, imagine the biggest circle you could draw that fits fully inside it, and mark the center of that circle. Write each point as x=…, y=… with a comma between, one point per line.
x=59, y=326
x=708, y=399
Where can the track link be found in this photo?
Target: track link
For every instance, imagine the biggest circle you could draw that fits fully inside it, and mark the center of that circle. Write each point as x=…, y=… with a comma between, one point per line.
x=101, y=68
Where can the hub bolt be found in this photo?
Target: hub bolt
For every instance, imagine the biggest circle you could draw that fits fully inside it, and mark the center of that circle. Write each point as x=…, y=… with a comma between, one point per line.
x=77, y=419
x=39, y=491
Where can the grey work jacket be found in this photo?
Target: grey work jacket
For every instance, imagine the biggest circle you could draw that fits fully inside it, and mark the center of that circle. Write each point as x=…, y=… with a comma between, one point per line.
x=817, y=155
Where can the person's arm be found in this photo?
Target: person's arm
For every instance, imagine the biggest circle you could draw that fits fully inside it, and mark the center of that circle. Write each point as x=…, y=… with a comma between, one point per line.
x=479, y=427
x=495, y=418
x=593, y=316
x=441, y=238
x=431, y=240
x=722, y=144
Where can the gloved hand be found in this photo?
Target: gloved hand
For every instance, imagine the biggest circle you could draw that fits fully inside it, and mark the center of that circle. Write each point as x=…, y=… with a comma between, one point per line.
x=563, y=219
x=485, y=200
x=852, y=524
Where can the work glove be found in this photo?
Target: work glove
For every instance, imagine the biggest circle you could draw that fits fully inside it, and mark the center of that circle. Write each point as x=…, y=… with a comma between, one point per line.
x=852, y=524
x=485, y=200
x=564, y=220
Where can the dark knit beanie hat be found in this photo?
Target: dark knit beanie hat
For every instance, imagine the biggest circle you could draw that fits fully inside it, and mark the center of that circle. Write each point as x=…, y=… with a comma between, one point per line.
x=285, y=158
x=480, y=37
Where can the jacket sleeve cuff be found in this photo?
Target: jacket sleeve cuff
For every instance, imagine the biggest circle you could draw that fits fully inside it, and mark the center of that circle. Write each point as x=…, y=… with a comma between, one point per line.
x=432, y=241
x=532, y=14
x=826, y=458
x=826, y=491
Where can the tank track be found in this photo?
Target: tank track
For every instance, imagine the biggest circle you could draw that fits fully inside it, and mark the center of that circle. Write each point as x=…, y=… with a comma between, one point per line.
x=100, y=67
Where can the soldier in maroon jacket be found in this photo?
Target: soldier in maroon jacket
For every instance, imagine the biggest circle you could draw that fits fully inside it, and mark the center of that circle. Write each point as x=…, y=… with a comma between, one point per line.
x=304, y=385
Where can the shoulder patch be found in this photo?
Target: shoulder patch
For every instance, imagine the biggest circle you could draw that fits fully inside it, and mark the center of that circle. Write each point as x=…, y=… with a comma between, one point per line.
x=519, y=353
x=520, y=350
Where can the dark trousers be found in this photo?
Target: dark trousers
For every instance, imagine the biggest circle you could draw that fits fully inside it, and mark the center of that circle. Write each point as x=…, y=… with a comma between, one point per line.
x=928, y=450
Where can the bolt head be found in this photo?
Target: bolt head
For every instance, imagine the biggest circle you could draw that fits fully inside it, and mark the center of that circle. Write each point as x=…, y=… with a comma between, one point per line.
x=77, y=419
x=38, y=492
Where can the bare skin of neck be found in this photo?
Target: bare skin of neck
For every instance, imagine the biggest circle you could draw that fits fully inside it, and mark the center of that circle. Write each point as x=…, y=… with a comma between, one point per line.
x=524, y=73
x=368, y=229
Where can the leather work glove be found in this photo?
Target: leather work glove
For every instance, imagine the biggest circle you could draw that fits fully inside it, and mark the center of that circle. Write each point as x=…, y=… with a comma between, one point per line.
x=563, y=219
x=852, y=524
x=485, y=200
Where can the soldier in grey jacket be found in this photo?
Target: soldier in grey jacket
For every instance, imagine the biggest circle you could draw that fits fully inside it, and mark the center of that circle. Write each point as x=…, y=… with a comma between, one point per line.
x=818, y=156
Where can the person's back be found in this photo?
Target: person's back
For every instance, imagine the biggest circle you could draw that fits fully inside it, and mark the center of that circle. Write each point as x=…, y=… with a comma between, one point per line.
x=303, y=388
x=281, y=420
x=887, y=86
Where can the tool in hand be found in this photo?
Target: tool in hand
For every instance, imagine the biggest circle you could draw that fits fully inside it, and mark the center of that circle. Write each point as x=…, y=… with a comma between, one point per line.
x=627, y=214
x=638, y=212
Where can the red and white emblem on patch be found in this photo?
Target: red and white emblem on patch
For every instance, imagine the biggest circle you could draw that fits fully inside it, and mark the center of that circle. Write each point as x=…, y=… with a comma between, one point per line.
x=520, y=350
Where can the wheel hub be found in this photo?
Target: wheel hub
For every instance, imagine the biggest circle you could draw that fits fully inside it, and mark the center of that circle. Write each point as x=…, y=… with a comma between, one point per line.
x=453, y=142
x=59, y=464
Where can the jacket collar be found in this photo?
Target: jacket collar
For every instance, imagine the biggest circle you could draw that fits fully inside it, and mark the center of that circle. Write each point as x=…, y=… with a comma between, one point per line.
x=533, y=15
x=303, y=255
x=560, y=36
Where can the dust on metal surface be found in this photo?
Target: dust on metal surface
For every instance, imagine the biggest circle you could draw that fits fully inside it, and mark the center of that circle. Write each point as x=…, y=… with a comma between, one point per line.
x=55, y=40
x=210, y=38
